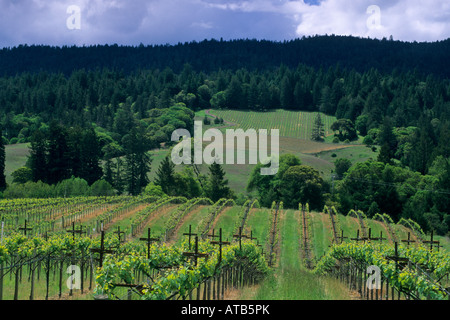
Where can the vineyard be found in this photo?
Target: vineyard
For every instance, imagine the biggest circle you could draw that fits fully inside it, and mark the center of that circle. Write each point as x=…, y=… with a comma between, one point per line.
x=296, y=124
x=129, y=248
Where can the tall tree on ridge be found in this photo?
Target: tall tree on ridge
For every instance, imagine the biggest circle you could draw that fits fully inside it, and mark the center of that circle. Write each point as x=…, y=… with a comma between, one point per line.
x=90, y=157
x=137, y=160
x=38, y=157
x=2, y=162
x=318, y=131
x=217, y=184
x=58, y=163
x=165, y=176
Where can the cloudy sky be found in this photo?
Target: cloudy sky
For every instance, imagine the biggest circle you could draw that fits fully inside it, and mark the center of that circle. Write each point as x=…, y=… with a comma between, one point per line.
x=131, y=22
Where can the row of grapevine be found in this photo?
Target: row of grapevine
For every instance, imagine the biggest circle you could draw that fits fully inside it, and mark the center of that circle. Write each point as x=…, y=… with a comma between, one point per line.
x=141, y=218
x=362, y=219
x=182, y=277
x=274, y=232
x=176, y=217
x=414, y=226
x=408, y=278
x=58, y=217
x=306, y=235
x=214, y=211
x=387, y=222
x=122, y=208
x=334, y=217
x=243, y=214
x=28, y=257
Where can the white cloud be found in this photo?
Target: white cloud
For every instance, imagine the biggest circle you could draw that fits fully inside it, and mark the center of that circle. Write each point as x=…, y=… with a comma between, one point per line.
x=171, y=21
x=409, y=20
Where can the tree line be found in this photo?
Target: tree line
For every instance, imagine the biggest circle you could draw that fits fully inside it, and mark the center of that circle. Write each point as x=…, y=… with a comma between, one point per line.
x=350, y=52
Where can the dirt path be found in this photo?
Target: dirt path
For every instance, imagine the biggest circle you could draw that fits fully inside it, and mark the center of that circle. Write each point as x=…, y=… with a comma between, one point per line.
x=128, y=214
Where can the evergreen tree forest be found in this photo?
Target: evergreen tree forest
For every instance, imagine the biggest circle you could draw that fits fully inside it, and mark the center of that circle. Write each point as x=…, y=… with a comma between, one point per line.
x=93, y=113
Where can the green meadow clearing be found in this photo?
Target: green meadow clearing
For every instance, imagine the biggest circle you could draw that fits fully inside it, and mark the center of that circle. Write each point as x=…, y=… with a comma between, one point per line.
x=295, y=131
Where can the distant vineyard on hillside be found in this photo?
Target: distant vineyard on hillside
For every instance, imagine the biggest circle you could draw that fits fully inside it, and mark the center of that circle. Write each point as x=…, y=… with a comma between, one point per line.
x=297, y=124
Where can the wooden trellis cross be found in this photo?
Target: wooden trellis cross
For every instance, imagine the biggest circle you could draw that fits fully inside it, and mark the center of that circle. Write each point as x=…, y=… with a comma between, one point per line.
x=251, y=236
x=102, y=249
x=220, y=243
x=358, y=238
x=190, y=234
x=239, y=235
x=119, y=233
x=380, y=238
x=408, y=241
x=25, y=229
x=195, y=254
x=433, y=243
x=73, y=231
x=398, y=260
x=341, y=237
x=149, y=241
x=212, y=236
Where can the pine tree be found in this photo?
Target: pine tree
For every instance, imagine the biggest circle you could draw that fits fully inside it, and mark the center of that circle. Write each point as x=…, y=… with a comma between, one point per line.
x=137, y=160
x=287, y=98
x=318, y=131
x=108, y=172
x=38, y=157
x=58, y=163
x=388, y=142
x=218, y=185
x=119, y=183
x=2, y=162
x=74, y=143
x=385, y=154
x=90, y=157
x=165, y=176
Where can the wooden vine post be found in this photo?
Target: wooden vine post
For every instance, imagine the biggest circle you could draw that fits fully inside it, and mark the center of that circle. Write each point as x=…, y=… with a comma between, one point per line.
x=408, y=241
x=195, y=254
x=190, y=234
x=220, y=243
x=102, y=249
x=149, y=241
x=433, y=243
x=25, y=229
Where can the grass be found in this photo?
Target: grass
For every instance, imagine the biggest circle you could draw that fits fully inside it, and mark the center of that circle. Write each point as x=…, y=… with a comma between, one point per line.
x=322, y=234
x=355, y=153
x=15, y=157
x=258, y=222
x=291, y=281
x=227, y=221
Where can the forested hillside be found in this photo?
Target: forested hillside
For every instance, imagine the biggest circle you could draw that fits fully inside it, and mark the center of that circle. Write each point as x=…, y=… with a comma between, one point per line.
x=78, y=106
x=210, y=55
